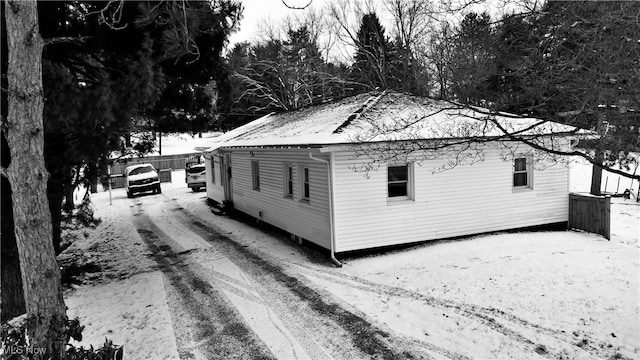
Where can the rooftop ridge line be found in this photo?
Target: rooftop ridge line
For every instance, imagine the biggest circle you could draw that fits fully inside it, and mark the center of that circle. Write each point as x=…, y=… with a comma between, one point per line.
x=356, y=114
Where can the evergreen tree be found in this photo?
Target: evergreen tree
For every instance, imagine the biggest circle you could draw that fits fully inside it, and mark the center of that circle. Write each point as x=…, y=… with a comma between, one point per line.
x=506, y=87
x=101, y=76
x=371, y=67
x=192, y=77
x=472, y=62
x=574, y=63
x=303, y=62
x=103, y=63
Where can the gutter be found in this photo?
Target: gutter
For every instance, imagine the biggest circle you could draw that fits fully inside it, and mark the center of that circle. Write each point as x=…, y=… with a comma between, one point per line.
x=330, y=186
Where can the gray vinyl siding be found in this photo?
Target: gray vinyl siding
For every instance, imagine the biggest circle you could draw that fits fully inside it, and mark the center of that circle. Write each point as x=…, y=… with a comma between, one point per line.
x=309, y=220
x=468, y=199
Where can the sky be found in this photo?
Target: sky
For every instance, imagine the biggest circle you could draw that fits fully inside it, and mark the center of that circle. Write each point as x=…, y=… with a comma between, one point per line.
x=257, y=10
x=275, y=11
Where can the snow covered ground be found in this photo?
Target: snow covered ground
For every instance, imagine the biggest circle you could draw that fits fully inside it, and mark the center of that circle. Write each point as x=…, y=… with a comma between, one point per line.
x=580, y=178
x=173, y=144
x=566, y=294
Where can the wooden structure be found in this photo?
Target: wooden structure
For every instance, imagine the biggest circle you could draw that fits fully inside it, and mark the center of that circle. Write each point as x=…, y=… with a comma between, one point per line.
x=590, y=213
x=159, y=162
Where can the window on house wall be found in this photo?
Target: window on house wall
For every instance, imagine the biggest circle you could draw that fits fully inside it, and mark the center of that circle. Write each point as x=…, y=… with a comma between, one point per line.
x=288, y=180
x=222, y=169
x=255, y=174
x=398, y=185
x=213, y=170
x=522, y=172
x=305, y=190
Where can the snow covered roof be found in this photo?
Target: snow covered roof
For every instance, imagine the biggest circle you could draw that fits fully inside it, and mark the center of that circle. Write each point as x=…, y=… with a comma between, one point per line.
x=381, y=117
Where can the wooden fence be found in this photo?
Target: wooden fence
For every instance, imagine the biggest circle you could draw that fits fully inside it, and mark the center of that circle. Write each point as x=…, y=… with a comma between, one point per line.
x=160, y=162
x=590, y=213
x=117, y=181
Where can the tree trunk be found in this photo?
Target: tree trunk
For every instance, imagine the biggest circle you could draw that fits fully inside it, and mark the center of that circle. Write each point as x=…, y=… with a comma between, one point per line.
x=28, y=178
x=12, y=295
x=596, y=180
x=596, y=171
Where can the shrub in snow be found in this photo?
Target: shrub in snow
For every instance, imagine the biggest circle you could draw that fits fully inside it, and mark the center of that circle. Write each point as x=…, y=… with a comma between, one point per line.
x=16, y=346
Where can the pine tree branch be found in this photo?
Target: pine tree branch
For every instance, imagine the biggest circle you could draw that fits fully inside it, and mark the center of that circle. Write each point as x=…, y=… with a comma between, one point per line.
x=66, y=39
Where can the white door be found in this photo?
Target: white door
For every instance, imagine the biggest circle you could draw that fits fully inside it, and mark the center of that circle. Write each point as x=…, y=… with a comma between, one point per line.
x=225, y=175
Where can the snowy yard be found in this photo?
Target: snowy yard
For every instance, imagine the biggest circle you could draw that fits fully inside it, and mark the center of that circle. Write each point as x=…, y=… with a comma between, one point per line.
x=556, y=294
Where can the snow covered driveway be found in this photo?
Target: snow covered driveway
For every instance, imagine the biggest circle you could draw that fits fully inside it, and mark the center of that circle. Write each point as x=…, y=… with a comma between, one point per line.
x=235, y=290
x=230, y=301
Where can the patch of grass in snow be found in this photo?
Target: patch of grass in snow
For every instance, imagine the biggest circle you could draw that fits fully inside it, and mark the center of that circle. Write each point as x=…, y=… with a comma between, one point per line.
x=73, y=273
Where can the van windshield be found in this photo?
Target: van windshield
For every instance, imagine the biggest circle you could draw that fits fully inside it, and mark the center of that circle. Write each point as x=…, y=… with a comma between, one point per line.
x=141, y=170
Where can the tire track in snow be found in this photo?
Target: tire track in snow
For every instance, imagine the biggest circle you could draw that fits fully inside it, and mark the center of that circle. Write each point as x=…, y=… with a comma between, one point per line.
x=487, y=316
x=218, y=330
x=230, y=285
x=233, y=295
x=496, y=319
x=293, y=283
x=372, y=341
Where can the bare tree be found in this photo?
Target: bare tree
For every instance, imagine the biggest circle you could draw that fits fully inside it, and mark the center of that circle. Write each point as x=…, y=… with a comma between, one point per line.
x=438, y=55
x=269, y=30
x=281, y=75
x=321, y=26
x=348, y=14
x=412, y=21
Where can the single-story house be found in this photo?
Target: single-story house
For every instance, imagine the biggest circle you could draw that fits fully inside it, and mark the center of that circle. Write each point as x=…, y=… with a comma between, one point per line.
x=382, y=169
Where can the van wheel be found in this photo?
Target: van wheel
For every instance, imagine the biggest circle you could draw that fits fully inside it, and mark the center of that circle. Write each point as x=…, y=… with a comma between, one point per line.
x=129, y=194
x=159, y=190
x=195, y=189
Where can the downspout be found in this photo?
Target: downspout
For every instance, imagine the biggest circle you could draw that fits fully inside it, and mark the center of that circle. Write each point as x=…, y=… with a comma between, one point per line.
x=330, y=186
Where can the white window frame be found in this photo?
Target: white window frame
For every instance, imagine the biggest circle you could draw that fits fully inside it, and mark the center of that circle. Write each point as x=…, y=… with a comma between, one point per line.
x=409, y=183
x=255, y=174
x=304, y=171
x=528, y=171
x=288, y=185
